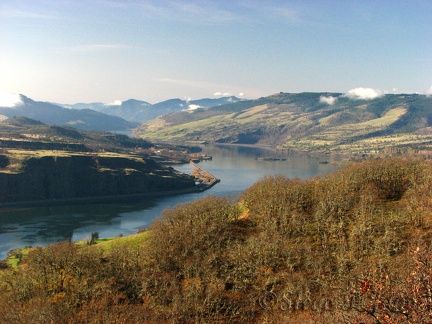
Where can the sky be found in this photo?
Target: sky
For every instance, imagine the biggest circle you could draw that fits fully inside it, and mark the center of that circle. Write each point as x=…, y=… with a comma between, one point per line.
x=70, y=51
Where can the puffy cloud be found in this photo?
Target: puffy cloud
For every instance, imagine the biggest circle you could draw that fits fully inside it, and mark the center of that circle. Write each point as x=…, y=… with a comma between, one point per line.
x=193, y=107
x=363, y=94
x=224, y=94
x=114, y=103
x=10, y=100
x=241, y=94
x=330, y=100
x=429, y=92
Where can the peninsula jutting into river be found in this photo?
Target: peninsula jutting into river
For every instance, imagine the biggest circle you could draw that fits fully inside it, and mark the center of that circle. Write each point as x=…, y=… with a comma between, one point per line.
x=236, y=167
x=55, y=165
x=65, y=177
x=205, y=180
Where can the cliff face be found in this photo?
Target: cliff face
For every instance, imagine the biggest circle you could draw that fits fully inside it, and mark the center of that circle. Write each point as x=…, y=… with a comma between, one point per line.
x=81, y=176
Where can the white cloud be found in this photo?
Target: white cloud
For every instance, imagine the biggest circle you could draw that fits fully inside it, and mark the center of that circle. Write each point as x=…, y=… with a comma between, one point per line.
x=429, y=91
x=10, y=100
x=330, y=100
x=363, y=94
x=241, y=94
x=193, y=107
x=114, y=103
x=222, y=94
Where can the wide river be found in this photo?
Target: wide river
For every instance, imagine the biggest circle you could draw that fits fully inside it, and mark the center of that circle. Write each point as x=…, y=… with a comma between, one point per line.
x=238, y=168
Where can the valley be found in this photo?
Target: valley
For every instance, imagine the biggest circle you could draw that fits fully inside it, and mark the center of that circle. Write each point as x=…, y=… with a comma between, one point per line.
x=246, y=244
x=214, y=161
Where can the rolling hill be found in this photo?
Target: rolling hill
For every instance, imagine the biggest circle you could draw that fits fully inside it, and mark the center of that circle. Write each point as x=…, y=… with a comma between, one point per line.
x=304, y=121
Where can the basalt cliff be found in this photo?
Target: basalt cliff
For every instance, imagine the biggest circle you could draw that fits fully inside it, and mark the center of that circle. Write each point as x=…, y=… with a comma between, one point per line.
x=47, y=164
x=81, y=177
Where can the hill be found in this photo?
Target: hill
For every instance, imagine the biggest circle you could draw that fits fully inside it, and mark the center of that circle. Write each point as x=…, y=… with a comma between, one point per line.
x=40, y=163
x=350, y=247
x=304, y=122
x=140, y=111
x=48, y=113
x=52, y=176
x=23, y=132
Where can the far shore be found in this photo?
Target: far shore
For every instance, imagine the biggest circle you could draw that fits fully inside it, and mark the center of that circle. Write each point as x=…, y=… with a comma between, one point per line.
x=101, y=199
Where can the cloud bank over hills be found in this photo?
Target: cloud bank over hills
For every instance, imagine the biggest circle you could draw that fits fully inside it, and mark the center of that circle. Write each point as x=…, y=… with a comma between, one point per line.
x=364, y=93
x=330, y=100
x=10, y=100
x=356, y=94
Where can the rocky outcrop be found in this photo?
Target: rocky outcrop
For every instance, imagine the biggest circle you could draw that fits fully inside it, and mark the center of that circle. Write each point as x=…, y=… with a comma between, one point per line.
x=51, y=178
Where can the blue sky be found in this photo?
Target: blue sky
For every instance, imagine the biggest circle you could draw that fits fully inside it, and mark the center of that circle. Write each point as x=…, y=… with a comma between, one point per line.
x=106, y=50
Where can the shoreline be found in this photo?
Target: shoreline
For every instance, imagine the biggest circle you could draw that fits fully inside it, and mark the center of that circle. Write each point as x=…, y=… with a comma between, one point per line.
x=202, y=186
x=101, y=199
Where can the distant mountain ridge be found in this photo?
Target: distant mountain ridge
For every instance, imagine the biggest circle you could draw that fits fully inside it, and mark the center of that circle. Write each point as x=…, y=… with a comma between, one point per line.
x=48, y=113
x=141, y=111
x=304, y=121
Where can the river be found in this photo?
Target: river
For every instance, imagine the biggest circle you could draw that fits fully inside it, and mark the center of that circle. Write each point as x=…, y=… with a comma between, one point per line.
x=238, y=167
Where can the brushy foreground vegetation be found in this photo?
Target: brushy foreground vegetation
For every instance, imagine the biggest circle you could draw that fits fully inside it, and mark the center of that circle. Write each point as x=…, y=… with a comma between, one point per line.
x=352, y=247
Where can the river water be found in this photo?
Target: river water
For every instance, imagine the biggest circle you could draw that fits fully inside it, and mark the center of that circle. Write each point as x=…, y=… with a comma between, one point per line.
x=238, y=168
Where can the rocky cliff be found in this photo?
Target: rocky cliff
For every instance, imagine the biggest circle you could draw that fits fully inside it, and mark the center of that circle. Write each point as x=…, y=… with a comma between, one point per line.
x=80, y=176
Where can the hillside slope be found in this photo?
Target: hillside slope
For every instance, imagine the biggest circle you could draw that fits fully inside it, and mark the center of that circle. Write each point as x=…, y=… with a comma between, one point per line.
x=26, y=133
x=351, y=247
x=303, y=121
x=48, y=113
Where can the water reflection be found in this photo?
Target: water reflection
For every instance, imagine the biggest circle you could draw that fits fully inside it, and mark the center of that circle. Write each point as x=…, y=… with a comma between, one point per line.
x=49, y=224
x=237, y=167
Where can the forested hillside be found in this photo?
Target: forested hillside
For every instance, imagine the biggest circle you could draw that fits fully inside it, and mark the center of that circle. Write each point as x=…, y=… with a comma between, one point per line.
x=350, y=247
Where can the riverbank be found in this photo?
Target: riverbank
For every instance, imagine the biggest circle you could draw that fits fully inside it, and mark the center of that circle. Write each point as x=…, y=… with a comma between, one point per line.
x=101, y=199
x=46, y=224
